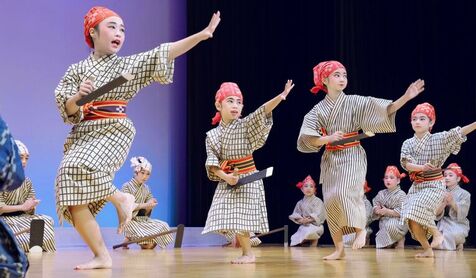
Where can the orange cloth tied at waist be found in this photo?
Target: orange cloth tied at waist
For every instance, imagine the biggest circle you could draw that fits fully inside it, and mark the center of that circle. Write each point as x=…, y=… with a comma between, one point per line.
x=104, y=110
x=420, y=176
x=244, y=165
x=343, y=146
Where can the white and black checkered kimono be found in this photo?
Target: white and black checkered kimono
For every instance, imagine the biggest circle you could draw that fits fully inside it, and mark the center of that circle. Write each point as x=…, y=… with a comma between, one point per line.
x=391, y=229
x=348, y=239
x=454, y=225
x=95, y=150
x=242, y=209
x=424, y=198
x=19, y=221
x=143, y=225
x=308, y=206
x=343, y=172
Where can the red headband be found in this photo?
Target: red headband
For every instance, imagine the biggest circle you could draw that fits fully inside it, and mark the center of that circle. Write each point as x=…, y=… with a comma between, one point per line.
x=427, y=109
x=308, y=180
x=94, y=16
x=458, y=171
x=394, y=170
x=227, y=89
x=321, y=71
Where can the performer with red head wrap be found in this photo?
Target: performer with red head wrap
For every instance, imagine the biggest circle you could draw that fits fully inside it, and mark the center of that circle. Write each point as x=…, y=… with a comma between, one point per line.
x=230, y=148
x=344, y=167
x=100, y=140
x=452, y=215
x=309, y=213
x=422, y=156
x=387, y=206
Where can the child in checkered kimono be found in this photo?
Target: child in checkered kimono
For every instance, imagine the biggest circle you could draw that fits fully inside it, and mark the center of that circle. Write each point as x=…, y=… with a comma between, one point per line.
x=17, y=210
x=309, y=213
x=452, y=215
x=141, y=224
x=422, y=156
x=230, y=148
x=387, y=208
x=101, y=138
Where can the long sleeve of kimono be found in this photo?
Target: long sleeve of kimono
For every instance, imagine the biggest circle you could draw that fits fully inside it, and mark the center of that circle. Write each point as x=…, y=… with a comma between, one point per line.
x=372, y=115
x=310, y=128
x=297, y=213
x=258, y=126
x=67, y=88
x=453, y=140
x=463, y=203
x=150, y=66
x=405, y=154
x=212, y=160
x=149, y=194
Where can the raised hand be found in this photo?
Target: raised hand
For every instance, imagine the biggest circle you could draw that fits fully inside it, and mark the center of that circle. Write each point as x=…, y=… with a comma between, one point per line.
x=287, y=88
x=415, y=89
x=212, y=25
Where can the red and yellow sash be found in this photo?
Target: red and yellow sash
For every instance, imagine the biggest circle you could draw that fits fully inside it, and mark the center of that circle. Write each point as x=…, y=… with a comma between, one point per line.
x=104, y=110
x=244, y=165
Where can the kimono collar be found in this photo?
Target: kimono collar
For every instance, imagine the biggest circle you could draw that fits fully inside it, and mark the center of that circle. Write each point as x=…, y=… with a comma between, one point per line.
x=332, y=101
x=424, y=138
x=102, y=59
x=136, y=183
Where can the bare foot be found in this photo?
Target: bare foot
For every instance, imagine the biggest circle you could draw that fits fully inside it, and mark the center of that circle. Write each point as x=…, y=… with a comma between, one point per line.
x=249, y=259
x=437, y=238
x=337, y=255
x=96, y=262
x=459, y=247
x=359, y=240
x=124, y=211
x=427, y=253
x=401, y=244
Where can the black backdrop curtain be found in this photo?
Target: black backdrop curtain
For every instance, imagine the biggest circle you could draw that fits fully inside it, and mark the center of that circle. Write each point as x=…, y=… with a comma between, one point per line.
x=385, y=45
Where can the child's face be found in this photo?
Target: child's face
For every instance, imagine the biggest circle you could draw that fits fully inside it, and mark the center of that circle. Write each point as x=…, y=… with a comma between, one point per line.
x=308, y=189
x=451, y=179
x=142, y=176
x=230, y=108
x=337, y=81
x=24, y=159
x=421, y=123
x=110, y=37
x=390, y=180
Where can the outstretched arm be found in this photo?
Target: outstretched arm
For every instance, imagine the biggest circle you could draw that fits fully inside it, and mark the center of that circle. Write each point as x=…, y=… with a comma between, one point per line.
x=413, y=90
x=468, y=129
x=180, y=47
x=270, y=105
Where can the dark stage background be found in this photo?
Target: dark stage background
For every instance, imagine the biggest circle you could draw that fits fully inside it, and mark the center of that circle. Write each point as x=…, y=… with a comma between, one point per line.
x=385, y=45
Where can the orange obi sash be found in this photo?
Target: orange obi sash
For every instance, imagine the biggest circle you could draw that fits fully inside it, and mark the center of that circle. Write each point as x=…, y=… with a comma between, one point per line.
x=331, y=148
x=420, y=176
x=244, y=165
x=104, y=110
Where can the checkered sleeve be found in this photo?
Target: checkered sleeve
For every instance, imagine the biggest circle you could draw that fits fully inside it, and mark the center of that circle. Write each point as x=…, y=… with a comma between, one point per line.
x=150, y=66
x=310, y=128
x=258, y=125
x=405, y=154
x=453, y=140
x=67, y=88
x=212, y=160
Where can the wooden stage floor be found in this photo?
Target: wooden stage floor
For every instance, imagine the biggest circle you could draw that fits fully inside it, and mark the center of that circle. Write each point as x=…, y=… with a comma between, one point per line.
x=272, y=261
